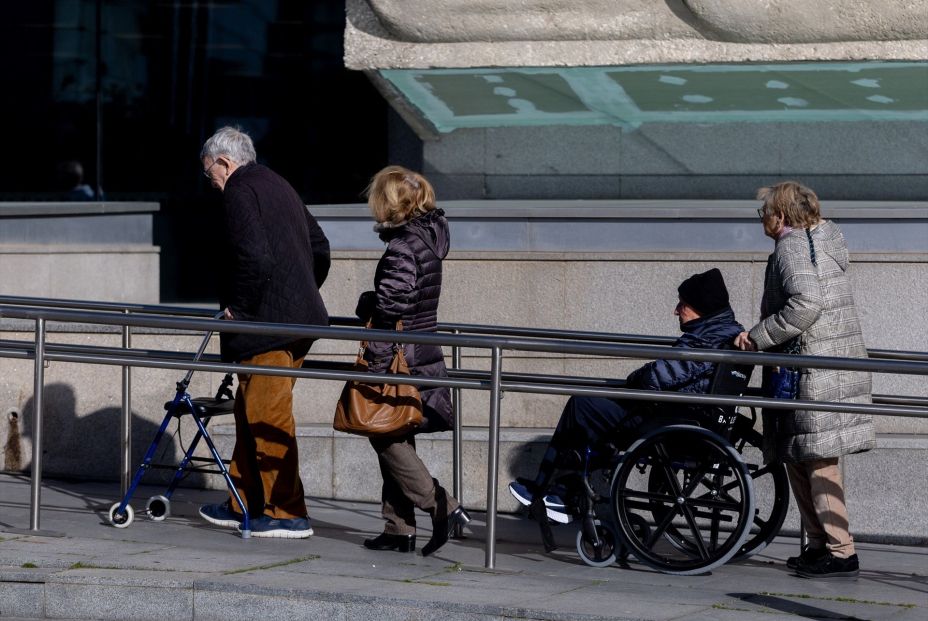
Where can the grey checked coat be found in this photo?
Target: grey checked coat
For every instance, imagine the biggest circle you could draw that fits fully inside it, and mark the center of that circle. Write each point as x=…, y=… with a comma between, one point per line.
x=816, y=304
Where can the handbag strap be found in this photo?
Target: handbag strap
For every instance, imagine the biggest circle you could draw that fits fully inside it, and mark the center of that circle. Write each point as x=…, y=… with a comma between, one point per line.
x=363, y=345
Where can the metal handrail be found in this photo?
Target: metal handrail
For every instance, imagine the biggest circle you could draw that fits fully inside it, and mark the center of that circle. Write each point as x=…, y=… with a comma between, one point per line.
x=496, y=384
x=454, y=328
x=908, y=406
x=913, y=367
x=65, y=352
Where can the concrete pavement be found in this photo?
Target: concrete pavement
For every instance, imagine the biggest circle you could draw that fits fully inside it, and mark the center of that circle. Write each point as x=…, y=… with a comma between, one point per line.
x=182, y=568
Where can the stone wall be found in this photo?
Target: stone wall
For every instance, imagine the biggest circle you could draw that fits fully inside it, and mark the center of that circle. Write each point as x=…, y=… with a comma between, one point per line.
x=627, y=293
x=882, y=161
x=96, y=251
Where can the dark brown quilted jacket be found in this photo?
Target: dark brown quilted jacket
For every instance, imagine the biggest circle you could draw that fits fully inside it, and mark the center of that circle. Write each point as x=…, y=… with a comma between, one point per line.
x=407, y=285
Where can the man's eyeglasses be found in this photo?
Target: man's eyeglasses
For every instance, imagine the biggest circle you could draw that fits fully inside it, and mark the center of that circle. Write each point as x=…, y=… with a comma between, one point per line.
x=760, y=212
x=206, y=172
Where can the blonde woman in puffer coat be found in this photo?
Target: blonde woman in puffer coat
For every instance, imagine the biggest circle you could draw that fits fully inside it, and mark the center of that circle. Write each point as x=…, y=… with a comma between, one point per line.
x=407, y=288
x=807, y=296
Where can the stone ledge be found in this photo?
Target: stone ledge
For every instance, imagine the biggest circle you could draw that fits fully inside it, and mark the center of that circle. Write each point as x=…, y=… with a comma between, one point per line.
x=87, y=249
x=55, y=208
x=634, y=209
x=342, y=467
x=540, y=434
x=369, y=45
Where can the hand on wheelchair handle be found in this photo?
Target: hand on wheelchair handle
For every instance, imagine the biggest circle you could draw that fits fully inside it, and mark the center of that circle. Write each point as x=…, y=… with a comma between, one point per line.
x=227, y=314
x=744, y=342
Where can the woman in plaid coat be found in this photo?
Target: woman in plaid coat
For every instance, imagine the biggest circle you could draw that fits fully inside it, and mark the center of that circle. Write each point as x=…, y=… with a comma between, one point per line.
x=807, y=296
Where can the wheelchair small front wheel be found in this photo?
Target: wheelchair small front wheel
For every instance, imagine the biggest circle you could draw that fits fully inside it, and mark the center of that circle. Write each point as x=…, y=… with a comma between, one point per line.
x=158, y=508
x=771, y=489
x=593, y=554
x=121, y=520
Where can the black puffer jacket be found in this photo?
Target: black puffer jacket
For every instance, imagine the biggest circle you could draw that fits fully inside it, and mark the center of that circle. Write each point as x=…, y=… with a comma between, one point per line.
x=407, y=286
x=278, y=259
x=713, y=332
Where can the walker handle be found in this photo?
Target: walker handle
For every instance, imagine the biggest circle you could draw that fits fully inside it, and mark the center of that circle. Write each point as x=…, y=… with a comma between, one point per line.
x=203, y=344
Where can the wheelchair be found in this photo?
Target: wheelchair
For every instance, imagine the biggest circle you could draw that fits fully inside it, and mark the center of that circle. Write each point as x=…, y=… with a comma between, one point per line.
x=686, y=496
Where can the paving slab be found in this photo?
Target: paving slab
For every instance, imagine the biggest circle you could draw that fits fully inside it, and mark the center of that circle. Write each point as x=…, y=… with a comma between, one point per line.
x=182, y=568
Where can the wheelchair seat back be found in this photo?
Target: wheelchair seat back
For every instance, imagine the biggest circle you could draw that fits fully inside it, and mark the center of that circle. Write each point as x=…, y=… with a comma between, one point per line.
x=728, y=379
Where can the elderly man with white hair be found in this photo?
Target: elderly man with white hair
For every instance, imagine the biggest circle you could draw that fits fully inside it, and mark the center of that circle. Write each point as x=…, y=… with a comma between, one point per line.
x=279, y=257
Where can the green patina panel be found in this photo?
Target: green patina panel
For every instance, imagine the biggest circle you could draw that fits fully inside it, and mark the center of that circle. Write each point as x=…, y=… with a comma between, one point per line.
x=679, y=90
x=491, y=93
x=630, y=96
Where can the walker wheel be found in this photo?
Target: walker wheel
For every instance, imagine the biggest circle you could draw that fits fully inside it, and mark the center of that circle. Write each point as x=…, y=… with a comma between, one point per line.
x=602, y=556
x=121, y=520
x=158, y=508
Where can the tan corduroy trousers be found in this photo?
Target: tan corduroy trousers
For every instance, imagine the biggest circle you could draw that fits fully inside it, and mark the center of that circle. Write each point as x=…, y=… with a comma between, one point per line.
x=265, y=465
x=819, y=492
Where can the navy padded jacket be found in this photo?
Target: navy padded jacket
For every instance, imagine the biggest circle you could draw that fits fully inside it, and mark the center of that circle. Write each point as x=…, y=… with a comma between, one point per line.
x=713, y=332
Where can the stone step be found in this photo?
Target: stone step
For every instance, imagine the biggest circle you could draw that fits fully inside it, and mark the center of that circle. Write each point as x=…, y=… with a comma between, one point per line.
x=885, y=487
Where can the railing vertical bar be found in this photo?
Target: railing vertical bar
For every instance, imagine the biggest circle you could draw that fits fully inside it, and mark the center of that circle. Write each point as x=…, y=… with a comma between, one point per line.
x=457, y=441
x=125, y=428
x=38, y=402
x=493, y=454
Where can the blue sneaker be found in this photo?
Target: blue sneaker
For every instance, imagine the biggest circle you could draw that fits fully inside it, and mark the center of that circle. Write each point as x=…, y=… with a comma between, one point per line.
x=554, y=506
x=221, y=515
x=294, y=528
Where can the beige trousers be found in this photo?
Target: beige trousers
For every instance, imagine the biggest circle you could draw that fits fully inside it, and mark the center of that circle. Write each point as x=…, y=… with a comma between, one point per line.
x=407, y=484
x=819, y=493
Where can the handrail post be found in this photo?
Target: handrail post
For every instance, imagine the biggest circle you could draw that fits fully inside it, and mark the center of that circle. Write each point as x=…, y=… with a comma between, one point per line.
x=493, y=454
x=457, y=440
x=125, y=427
x=37, y=405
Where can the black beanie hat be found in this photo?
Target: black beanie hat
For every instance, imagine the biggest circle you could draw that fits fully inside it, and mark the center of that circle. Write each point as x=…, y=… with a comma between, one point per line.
x=705, y=292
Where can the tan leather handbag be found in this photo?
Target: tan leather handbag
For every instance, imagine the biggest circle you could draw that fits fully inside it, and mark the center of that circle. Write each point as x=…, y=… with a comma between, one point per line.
x=370, y=409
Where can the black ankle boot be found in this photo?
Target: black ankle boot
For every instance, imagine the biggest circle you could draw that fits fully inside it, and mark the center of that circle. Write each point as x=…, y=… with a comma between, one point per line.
x=386, y=541
x=443, y=528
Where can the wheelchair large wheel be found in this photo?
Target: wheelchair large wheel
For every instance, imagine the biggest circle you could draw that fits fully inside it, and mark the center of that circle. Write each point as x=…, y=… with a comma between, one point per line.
x=771, y=493
x=771, y=489
x=693, y=492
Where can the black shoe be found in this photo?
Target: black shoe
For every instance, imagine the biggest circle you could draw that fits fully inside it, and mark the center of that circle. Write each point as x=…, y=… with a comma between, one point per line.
x=830, y=566
x=807, y=556
x=386, y=541
x=442, y=528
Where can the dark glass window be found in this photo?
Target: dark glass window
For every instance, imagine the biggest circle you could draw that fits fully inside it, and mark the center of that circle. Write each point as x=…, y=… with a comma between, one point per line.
x=130, y=90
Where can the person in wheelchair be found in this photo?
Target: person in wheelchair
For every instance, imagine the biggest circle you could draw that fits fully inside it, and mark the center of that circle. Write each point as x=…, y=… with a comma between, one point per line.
x=707, y=322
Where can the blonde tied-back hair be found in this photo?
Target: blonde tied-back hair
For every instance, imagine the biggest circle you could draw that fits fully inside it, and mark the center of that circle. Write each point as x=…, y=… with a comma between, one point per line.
x=397, y=195
x=795, y=202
